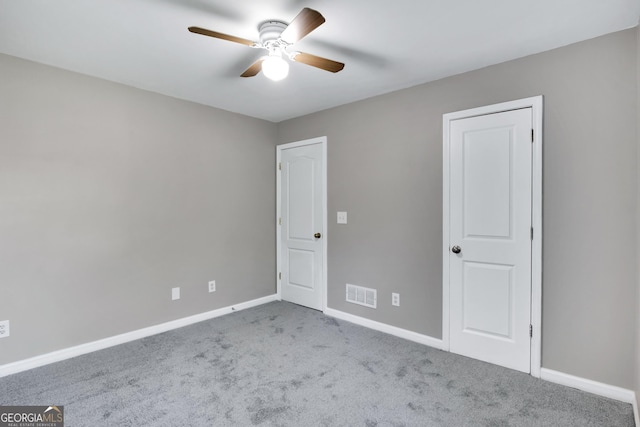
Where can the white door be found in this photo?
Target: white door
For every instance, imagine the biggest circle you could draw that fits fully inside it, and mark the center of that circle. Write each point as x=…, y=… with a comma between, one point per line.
x=490, y=200
x=302, y=225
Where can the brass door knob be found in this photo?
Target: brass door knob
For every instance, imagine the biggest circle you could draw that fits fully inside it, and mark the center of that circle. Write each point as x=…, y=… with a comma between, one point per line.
x=317, y=235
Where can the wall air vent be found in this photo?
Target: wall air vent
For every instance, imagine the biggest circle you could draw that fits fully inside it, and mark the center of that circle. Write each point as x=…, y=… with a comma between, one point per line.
x=362, y=296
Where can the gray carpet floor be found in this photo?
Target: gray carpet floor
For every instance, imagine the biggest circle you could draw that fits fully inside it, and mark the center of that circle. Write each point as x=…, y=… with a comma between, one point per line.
x=284, y=365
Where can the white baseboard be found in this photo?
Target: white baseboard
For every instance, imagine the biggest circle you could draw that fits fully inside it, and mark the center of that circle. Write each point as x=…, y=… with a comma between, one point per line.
x=601, y=389
x=383, y=327
x=68, y=353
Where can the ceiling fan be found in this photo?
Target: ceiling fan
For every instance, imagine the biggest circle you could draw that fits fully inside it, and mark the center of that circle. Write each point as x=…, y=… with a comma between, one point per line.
x=276, y=37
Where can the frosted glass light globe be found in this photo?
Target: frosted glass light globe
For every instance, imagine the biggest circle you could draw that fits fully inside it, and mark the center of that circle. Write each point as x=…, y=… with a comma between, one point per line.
x=275, y=68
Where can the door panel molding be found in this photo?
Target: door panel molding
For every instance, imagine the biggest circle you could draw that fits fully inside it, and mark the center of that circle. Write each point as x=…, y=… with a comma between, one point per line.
x=322, y=141
x=536, y=105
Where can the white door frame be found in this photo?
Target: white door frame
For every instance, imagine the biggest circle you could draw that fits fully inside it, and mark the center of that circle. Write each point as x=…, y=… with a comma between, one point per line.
x=322, y=140
x=536, y=104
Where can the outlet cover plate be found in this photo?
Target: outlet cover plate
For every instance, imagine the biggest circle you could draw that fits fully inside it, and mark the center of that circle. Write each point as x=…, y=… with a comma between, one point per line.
x=4, y=329
x=212, y=286
x=342, y=218
x=395, y=299
x=175, y=294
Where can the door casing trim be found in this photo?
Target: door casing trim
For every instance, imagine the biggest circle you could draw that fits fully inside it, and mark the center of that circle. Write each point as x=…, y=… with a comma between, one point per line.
x=536, y=105
x=322, y=140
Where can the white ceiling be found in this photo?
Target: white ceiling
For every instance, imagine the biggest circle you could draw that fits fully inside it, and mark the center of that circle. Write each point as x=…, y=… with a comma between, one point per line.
x=386, y=45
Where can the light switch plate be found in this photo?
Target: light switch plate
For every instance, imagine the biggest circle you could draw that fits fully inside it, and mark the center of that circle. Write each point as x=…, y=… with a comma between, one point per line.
x=342, y=217
x=175, y=294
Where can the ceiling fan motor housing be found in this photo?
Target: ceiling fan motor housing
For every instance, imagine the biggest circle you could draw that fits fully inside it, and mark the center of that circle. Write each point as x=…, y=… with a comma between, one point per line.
x=270, y=31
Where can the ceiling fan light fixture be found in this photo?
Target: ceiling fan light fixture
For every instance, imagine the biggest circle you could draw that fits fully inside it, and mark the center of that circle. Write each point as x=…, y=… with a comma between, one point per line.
x=277, y=37
x=275, y=68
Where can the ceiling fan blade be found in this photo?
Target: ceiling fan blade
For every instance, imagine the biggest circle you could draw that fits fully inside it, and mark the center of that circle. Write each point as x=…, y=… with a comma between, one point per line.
x=222, y=36
x=306, y=21
x=318, y=62
x=254, y=69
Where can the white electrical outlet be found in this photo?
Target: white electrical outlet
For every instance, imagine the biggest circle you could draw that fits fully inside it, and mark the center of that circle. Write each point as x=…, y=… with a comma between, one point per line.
x=175, y=294
x=4, y=329
x=395, y=299
x=212, y=286
x=342, y=218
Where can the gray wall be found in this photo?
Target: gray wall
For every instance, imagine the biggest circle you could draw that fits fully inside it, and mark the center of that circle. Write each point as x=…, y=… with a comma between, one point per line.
x=385, y=170
x=638, y=218
x=110, y=196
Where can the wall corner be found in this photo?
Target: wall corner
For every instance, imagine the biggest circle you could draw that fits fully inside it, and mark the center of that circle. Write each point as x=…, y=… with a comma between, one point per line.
x=637, y=358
